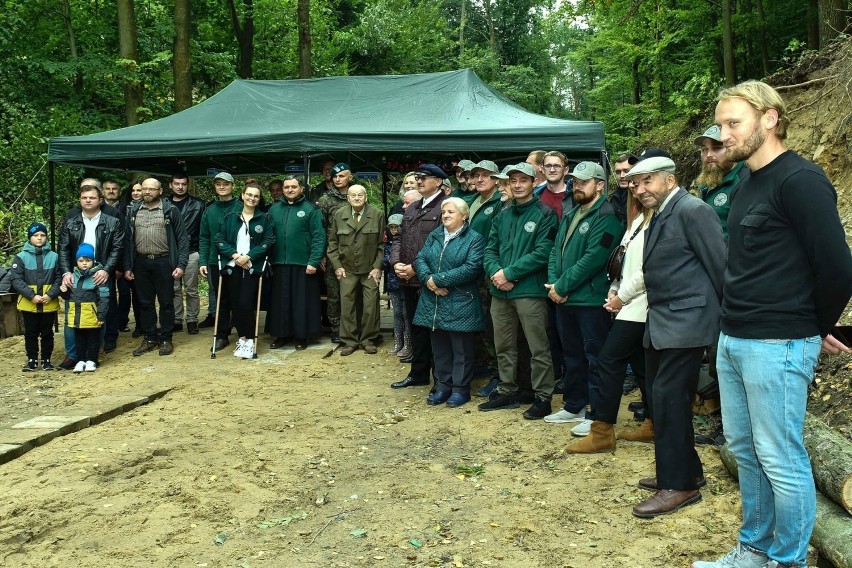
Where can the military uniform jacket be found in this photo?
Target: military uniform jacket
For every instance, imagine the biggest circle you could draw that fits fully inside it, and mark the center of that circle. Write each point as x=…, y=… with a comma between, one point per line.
x=520, y=243
x=329, y=202
x=577, y=268
x=357, y=248
x=299, y=236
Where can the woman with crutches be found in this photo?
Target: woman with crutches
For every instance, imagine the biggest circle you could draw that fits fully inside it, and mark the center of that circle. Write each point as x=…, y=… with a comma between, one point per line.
x=243, y=241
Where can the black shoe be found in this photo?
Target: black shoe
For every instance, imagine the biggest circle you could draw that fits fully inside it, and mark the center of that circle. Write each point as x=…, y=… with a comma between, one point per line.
x=629, y=384
x=301, y=344
x=221, y=343
x=178, y=327
x=409, y=381
x=407, y=360
x=639, y=415
x=498, y=401
x=67, y=364
x=31, y=365
x=538, y=410
x=144, y=347
x=209, y=321
x=137, y=332
x=46, y=365
x=635, y=405
x=192, y=327
x=109, y=347
x=279, y=342
x=166, y=348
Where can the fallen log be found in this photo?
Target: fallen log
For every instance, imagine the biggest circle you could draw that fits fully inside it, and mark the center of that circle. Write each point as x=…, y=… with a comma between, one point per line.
x=831, y=460
x=832, y=534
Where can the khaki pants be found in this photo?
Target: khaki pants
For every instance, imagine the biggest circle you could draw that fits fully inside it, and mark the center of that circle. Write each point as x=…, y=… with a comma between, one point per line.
x=352, y=287
x=532, y=314
x=189, y=282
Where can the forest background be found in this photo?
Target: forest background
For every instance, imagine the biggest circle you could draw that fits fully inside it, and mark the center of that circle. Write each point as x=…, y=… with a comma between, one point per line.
x=74, y=67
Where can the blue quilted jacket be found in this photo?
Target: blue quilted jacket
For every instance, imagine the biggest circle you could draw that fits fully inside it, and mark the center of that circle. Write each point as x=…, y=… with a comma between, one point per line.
x=457, y=267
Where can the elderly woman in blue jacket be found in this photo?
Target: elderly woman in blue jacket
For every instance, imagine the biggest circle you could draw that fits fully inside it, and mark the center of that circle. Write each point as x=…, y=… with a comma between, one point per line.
x=450, y=267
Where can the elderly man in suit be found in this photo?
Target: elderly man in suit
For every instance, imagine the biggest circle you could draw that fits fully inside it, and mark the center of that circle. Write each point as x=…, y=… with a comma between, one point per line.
x=684, y=264
x=356, y=250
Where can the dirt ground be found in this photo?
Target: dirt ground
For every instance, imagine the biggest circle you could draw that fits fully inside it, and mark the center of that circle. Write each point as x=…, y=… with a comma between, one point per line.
x=297, y=459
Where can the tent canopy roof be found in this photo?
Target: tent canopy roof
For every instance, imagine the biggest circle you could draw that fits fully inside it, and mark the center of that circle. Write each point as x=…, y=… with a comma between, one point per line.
x=259, y=126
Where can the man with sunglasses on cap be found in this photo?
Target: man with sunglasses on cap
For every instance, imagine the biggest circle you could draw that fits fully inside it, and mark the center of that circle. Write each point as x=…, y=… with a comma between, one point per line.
x=419, y=219
x=330, y=201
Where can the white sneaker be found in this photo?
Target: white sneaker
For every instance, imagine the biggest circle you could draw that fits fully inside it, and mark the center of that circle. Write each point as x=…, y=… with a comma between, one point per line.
x=239, y=348
x=90, y=366
x=247, y=350
x=582, y=429
x=739, y=557
x=80, y=367
x=564, y=417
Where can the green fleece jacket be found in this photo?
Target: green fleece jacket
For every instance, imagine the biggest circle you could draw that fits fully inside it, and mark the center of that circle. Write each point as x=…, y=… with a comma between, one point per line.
x=577, y=266
x=299, y=236
x=210, y=223
x=481, y=220
x=520, y=243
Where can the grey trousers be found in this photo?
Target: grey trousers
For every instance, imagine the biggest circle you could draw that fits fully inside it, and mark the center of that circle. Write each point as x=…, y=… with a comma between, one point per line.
x=189, y=284
x=532, y=315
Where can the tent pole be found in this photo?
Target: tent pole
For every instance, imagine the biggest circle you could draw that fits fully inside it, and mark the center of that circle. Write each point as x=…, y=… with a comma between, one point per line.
x=385, y=190
x=51, y=179
x=306, y=164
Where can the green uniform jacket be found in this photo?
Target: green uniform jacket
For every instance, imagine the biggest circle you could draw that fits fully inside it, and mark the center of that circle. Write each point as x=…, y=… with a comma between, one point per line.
x=299, y=236
x=466, y=196
x=87, y=302
x=481, y=221
x=520, y=243
x=357, y=249
x=35, y=271
x=210, y=221
x=580, y=271
x=261, y=236
x=719, y=198
x=330, y=202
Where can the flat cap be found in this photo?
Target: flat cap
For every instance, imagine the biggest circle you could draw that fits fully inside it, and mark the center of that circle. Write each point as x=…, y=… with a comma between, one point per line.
x=651, y=165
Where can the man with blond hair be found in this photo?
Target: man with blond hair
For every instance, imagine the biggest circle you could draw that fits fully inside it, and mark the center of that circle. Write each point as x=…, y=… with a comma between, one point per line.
x=788, y=279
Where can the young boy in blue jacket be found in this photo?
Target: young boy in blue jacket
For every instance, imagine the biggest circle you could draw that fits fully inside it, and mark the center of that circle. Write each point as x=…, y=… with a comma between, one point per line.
x=88, y=307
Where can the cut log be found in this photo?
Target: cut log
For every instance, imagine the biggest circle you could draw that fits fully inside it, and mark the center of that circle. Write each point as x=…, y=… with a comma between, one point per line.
x=831, y=460
x=832, y=534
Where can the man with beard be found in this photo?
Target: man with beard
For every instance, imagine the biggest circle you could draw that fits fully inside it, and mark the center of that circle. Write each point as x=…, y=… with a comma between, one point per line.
x=577, y=284
x=788, y=279
x=718, y=176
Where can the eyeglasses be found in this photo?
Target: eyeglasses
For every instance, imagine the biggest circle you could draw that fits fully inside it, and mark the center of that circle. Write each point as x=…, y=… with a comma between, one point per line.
x=553, y=166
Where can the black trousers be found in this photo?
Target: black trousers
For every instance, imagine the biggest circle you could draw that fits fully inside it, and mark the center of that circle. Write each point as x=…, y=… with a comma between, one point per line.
x=672, y=379
x=88, y=343
x=154, y=281
x=454, y=354
x=421, y=341
x=239, y=300
x=623, y=345
x=38, y=325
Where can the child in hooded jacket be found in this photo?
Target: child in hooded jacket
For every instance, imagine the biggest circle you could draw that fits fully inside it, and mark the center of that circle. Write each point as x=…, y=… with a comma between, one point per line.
x=87, y=309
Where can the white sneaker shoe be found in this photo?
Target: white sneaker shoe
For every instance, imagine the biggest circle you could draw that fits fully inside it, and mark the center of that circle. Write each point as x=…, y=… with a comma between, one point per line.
x=80, y=367
x=90, y=366
x=582, y=429
x=239, y=348
x=247, y=350
x=564, y=417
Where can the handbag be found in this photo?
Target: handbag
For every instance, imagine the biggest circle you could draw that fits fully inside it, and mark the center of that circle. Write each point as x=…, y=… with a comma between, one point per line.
x=615, y=263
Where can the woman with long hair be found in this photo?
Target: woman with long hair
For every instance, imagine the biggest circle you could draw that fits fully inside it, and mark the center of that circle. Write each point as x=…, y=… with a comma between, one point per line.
x=628, y=301
x=127, y=288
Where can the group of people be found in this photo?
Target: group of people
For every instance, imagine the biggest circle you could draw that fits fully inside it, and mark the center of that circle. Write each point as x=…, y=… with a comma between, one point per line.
x=533, y=273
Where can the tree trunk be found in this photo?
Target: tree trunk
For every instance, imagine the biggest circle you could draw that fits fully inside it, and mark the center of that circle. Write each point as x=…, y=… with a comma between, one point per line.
x=637, y=81
x=244, y=33
x=832, y=20
x=180, y=59
x=813, y=24
x=492, y=40
x=304, y=18
x=462, y=22
x=761, y=36
x=72, y=44
x=728, y=43
x=127, y=49
x=831, y=459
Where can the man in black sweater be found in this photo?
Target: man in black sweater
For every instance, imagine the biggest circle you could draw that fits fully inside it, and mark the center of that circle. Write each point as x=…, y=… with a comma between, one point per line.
x=788, y=279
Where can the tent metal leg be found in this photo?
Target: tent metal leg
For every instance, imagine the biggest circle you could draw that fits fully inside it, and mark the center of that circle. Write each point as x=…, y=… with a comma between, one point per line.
x=51, y=179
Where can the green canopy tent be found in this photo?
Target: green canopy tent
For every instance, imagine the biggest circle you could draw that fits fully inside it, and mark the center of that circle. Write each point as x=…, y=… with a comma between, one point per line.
x=258, y=127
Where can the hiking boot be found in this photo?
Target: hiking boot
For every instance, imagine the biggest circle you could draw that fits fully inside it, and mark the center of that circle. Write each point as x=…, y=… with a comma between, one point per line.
x=600, y=439
x=644, y=433
x=488, y=388
x=145, y=347
x=499, y=401
x=31, y=365
x=564, y=417
x=209, y=321
x=538, y=410
x=582, y=429
x=740, y=557
x=166, y=348
x=46, y=365
x=192, y=327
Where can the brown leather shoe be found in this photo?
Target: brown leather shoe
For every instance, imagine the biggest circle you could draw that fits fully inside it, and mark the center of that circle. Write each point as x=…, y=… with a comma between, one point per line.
x=601, y=438
x=145, y=347
x=166, y=348
x=650, y=483
x=645, y=433
x=664, y=502
x=371, y=349
x=348, y=350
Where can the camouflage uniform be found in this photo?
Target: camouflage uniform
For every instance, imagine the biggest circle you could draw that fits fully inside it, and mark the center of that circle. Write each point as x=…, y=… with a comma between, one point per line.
x=329, y=202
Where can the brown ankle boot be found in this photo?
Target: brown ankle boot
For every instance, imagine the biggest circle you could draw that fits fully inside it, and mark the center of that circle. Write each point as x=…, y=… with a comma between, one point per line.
x=600, y=439
x=644, y=433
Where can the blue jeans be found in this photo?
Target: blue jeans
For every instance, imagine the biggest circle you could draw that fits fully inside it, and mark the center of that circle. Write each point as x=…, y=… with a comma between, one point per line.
x=582, y=331
x=764, y=388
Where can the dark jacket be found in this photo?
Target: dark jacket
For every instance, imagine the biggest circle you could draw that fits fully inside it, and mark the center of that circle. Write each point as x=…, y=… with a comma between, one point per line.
x=261, y=237
x=299, y=236
x=358, y=249
x=481, y=220
x=719, y=197
x=177, y=238
x=35, y=271
x=391, y=279
x=191, y=212
x=210, y=221
x=457, y=267
x=109, y=242
x=520, y=243
x=577, y=268
x=417, y=223
x=87, y=302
